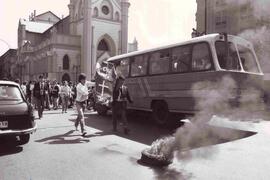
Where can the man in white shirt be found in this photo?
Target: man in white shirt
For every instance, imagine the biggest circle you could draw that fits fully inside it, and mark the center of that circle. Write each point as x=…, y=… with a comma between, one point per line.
x=81, y=98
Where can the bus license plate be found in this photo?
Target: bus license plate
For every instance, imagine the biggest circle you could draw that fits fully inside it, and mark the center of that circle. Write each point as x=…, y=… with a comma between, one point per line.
x=3, y=124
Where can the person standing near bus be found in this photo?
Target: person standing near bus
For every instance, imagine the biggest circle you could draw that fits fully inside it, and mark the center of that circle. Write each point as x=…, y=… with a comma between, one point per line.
x=81, y=98
x=119, y=104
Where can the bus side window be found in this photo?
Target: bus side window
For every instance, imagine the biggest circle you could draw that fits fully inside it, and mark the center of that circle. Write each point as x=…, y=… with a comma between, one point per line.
x=159, y=62
x=125, y=67
x=139, y=66
x=181, y=59
x=201, y=58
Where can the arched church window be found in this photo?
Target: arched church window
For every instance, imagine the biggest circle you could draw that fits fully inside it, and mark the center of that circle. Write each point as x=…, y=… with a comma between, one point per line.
x=66, y=62
x=95, y=12
x=105, y=10
x=117, y=16
x=103, y=46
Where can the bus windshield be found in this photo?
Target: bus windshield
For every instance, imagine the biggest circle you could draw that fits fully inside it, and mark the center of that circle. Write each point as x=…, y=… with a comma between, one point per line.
x=247, y=59
x=228, y=57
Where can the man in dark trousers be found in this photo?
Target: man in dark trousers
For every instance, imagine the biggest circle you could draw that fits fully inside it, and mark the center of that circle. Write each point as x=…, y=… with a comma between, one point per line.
x=39, y=95
x=119, y=104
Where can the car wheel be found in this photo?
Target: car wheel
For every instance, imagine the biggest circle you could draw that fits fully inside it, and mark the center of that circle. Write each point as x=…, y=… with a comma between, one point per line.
x=24, y=139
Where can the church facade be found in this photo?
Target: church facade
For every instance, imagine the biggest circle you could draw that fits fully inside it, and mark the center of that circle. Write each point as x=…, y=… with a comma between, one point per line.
x=60, y=49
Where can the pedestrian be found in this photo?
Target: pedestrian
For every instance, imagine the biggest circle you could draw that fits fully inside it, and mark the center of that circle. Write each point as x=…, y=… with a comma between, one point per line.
x=71, y=100
x=18, y=81
x=81, y=98
x=33, y=101
x=47, y=95
x=39, y=94
x=55, y=94
x=65, y=93
x=28, y=92
x=23, y=86
x=119, y=104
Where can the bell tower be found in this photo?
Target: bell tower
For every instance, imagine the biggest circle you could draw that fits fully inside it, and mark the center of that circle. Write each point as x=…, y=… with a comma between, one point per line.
x=124, y=25
x=87, y=65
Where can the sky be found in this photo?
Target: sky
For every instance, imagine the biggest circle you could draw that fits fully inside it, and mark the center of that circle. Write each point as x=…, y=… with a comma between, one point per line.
x=152, y=22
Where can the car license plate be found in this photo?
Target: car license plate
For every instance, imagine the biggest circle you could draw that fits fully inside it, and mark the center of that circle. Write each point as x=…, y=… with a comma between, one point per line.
x=3, y=124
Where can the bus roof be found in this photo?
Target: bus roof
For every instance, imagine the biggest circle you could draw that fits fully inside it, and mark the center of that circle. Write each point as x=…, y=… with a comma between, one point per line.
x=208, y=37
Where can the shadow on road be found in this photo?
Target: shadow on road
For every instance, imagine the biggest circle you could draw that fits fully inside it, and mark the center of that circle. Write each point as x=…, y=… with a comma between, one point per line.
x=142, y=128
x=166, y=172
x=66, y=138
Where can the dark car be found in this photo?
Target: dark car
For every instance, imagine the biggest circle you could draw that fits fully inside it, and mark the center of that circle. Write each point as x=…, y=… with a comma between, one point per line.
x=16, y=114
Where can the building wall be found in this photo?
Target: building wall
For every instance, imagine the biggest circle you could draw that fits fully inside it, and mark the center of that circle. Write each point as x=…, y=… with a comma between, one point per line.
x=43, y=53
x=232, y=18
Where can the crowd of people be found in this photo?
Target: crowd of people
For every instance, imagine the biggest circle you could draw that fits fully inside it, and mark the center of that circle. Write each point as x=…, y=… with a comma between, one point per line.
x=51, y=94
x=46, y=94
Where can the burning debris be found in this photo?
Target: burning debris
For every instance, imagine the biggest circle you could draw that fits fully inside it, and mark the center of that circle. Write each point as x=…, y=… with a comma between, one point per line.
x=199, y=133
x=160, y=153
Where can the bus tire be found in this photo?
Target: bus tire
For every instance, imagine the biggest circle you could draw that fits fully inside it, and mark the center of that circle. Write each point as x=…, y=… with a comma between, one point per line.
x=160, y=113
x=101, y=109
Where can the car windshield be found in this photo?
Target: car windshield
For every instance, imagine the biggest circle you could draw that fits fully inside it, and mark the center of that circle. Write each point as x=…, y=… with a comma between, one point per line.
x=10, y=93
x=227, y=56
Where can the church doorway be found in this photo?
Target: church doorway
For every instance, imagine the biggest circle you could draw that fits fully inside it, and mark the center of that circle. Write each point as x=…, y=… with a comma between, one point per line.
x=66, y=77
x=105, y=49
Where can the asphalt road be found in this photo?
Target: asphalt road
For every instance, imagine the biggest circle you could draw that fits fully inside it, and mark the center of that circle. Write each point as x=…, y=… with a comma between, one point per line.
x=56, y=151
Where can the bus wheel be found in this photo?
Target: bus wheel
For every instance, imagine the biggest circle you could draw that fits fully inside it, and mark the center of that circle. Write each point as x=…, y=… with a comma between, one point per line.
x=160, y=113
x=101, y=109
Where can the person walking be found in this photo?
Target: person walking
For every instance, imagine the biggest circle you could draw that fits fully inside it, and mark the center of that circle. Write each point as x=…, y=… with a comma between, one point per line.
x=23, y=86
x=28, y=92
x=119, y=104
x=65, y=93
x=81, y=98
x=47, y=95
x=55, y=94
x=39, y=94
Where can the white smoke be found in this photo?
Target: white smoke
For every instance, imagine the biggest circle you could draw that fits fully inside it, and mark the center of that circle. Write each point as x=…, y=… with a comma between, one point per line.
x=218, y=99
x=258, y=8
x=260, y=38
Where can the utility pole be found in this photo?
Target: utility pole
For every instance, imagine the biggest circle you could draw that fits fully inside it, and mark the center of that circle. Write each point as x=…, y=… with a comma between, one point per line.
x=205, y=17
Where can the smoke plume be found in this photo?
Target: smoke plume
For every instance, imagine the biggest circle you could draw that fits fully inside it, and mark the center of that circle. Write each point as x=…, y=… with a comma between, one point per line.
x=219, y=97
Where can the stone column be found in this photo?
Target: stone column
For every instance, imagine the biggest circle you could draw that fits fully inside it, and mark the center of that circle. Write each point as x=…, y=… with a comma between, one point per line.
x=124, y=25
x=87, y=40
x=72, y=18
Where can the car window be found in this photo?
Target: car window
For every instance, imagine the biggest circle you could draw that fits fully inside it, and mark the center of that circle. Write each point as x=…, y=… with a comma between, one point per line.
x=8, y=92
